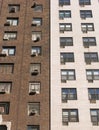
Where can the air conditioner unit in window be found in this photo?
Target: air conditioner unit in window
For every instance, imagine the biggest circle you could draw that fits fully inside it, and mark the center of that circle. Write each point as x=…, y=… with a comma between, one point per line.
x=2, y=91
x=32, y=112
x=84, y=30
x=63, y=80
x=6, y=38
x=12, y=10
x=90, y=80
x=88, y=62
x=34, y=72
x=34, y=5
x=64, y=100
x=3, y=54
x=86, y=45
x=82, y=4
x=32, y=92
x=83, y=17
x=34, y=24
x=7, y=23
x=92, y=101
x=34, y=54
x=65, y=122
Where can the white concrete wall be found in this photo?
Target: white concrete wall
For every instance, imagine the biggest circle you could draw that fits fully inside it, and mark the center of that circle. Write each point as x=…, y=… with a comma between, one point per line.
x=82, y=104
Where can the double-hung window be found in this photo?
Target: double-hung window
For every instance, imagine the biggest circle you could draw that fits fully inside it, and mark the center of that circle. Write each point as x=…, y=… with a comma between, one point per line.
x=87, y=27
x=66, y=57
x=12, y=22
x=14, y=8
x=66, y=41
x=89, y=41
x=5, y=87
x=65, y=27
x=9, y=51
x=37, y=22
x=85, y=14
x=6, y=68
x=35, y=51
x=34, y=88
x=64, y=2
x=94, y=113
x=35, y=68
x=84, y=2
x=67, y=75
x=69, y=115
x=69, y=94
x=10, y=36
x=64, y=14
x=4, y=108
x=93, y=93
x=91, y=57
x=92, y=74
x=36, y=36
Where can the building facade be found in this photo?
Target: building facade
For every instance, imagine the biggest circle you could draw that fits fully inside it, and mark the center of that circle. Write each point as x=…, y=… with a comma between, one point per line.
x=74, y=65
x=24, y=65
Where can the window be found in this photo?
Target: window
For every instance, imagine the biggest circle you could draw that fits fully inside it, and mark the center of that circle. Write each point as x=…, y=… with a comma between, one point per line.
x=37, y=22
x=34, y=88
x=5, y=87
x=94, y=113
x=65, y=27
x=3, y=127
x=64, y=14
x=10, y=36
x=89, y=41
x=35, y=51
x=14, y=8
x=84, y=2
x=4, y=107
x=36, y=36
x=69, y=115
x=35, y=68
x=64, y=2
x=6, y=68
x=87, y=27
x=93, y=93
x=37, y=8
x=11, y=22
x=33, y=108
x=91, y=57
x=8, y=51
x=67, y=75
x=66, y=41
x=33, y=127
x=92, y=75
x=69, y=94
x=66, y=57
x=85, y=14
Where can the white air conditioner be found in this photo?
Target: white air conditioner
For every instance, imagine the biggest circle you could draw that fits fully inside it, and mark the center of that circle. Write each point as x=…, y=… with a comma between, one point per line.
x=5, y=52
x=6, y=38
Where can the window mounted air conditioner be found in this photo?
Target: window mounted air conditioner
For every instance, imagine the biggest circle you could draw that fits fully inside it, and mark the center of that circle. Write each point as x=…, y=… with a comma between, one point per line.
x=2, y=91
x=86, y=45
x=6, y=38
x=83, y=17
x=7, y=23
x=36, y=38
x=92, y=101
x=34, y=72
x=32, y=92
x=32, y=112
x=84, y=30
x=88, y=62
x=90, y=80
x=34, y=54
x=64, y=80
x=12, y=10
x=34, y=5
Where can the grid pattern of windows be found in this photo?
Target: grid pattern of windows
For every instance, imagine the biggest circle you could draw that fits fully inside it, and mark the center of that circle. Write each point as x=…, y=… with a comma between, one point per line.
x=93, y=93
x=67, y=75
x=94, y=113
x=66, y=57
x=69, y=94
x=66, y=41
x=92, y=75
x=64, y=14
x=69, y=115
x=91, y=57
x=89, y=41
